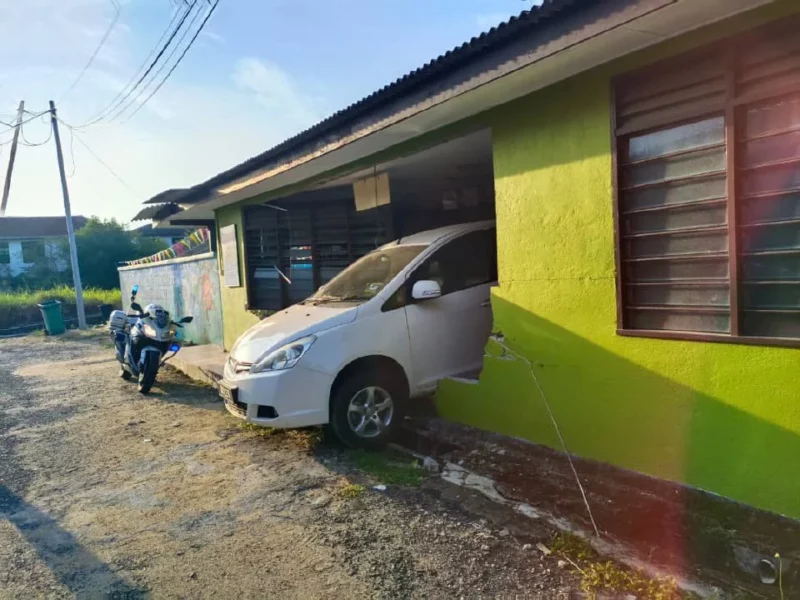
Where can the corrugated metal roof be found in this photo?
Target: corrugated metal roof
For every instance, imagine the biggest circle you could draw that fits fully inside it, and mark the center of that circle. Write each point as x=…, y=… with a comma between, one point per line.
x=495, y=37
x=157, y=212
x=33, y=227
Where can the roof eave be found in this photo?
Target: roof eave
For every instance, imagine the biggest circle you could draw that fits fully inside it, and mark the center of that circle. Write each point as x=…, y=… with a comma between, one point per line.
x=590, y=38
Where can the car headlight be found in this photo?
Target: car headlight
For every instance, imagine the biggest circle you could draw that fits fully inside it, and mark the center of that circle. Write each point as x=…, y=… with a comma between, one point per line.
x=149, y=331
x=284, y=357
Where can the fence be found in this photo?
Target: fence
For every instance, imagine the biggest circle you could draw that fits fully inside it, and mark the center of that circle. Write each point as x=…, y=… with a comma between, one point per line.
x=184, y=286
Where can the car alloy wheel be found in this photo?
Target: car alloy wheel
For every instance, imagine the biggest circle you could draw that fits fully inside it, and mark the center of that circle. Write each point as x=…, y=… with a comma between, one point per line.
x=370, y=412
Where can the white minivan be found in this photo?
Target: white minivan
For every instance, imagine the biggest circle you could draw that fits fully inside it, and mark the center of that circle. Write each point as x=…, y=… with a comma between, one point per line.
x=384, y=330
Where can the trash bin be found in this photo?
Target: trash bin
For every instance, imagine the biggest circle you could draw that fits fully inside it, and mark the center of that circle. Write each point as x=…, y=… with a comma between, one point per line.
x=53, y=318
x=105, y=311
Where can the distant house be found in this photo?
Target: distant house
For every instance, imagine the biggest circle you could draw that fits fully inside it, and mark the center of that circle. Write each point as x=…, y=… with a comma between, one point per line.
x=29, y=241
x=169, y=235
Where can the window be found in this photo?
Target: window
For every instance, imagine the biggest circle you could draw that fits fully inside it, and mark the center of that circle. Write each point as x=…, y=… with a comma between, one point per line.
x=465, y=262
x=33, y=252
x=291, y=253
x=708, y=193
x=5, y=254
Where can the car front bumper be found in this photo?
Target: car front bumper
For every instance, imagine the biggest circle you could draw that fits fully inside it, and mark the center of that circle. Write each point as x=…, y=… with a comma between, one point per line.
x=299, y=397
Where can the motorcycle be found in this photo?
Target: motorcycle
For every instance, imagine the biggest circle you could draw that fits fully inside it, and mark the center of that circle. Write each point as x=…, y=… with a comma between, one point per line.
x=144, y=341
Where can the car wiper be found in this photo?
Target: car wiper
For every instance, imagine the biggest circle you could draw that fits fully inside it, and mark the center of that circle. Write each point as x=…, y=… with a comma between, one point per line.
x=323, y=300
x=354, y=297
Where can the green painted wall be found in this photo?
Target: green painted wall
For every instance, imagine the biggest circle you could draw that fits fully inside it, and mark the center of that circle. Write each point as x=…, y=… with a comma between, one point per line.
x=722, y=417
x=235, y=319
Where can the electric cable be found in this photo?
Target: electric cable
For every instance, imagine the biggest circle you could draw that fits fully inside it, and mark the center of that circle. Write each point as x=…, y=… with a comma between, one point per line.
x=26, y=142
x=95, y=53
x=161, y=67
x=500, y=341
x=100, y=160
x=125, y=92
x=180, y=58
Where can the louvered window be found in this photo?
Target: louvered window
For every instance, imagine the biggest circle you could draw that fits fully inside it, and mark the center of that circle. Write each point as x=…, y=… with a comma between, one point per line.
x=708, y=193
x=291, y=251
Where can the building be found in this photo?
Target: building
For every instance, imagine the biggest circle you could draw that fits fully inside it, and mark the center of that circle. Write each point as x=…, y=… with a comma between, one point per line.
x=168, y=235
x=26, y=242
x=642, y=158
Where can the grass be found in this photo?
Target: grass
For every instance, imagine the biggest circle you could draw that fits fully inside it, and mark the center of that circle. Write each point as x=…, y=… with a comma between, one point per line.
x=19, y=307
x=303, y=439
x=609, y=577
x=387, y=468
x=11, y=300
x=350, y=490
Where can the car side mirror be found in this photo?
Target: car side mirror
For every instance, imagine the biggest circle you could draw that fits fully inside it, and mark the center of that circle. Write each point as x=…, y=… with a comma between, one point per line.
x=186, y=320
x=136, y=306
x=426, y=289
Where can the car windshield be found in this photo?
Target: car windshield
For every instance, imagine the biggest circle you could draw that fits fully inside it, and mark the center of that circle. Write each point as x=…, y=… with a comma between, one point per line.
x=367, y=276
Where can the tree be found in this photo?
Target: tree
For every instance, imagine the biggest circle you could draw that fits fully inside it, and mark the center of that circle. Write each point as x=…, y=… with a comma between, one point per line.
x=104, y=244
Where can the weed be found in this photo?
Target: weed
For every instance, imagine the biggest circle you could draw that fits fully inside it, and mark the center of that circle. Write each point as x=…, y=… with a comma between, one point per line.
x=574, y=547
x=258, y=430
x=351, y=490
x=306, y=439
x=609, y=577
x=387, y=468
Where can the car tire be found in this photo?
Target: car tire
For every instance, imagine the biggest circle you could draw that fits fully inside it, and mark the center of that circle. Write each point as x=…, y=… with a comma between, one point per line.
x=124, y=374
x=356, y=390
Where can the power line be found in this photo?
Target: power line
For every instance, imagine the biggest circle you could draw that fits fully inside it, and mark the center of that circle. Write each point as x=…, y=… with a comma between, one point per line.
x=116, y=103
x=100, y=160
x=166, y=61
x=35, y=116
x=103, y=113
x=72, y=151
x=95, y=53
x=180, y=58
x=26, y=142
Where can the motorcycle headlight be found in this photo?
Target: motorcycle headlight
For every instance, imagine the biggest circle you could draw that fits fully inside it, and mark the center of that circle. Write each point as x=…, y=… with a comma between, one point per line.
x=149, y=330
x=284, y=357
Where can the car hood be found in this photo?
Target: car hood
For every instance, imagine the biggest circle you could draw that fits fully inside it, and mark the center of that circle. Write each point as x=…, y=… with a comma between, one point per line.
x=288, y=325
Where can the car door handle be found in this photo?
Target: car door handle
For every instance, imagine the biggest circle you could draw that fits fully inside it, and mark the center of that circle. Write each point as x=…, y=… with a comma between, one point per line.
x=486, y=303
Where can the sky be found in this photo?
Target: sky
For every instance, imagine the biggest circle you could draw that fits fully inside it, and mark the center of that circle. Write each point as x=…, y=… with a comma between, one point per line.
x=261, y=71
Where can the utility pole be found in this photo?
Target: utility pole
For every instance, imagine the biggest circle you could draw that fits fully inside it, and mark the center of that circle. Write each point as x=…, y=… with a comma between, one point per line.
x=73, y=249
x=11, y=157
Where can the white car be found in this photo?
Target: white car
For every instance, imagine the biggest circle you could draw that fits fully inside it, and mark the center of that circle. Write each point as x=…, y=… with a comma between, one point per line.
x=387, y=328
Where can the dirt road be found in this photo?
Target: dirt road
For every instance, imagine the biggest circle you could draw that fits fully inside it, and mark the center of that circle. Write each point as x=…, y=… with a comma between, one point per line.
x=105, y=493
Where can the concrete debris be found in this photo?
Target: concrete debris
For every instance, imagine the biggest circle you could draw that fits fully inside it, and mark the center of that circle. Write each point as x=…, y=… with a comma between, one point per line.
x=543, y=549
x=561, y=564
x=321, y=502
x=503, y=533
x=430, y=464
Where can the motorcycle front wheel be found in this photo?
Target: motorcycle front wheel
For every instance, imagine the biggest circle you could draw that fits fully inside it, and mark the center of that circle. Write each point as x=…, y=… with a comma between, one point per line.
x=147, y=376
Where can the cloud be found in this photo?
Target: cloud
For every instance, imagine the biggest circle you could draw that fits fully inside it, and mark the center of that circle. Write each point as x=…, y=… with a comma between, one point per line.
x=276, y=91
x=201, y=122
x=214, y=37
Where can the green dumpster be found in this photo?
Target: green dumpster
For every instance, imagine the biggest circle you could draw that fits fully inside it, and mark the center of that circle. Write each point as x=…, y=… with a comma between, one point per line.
x=53, y=318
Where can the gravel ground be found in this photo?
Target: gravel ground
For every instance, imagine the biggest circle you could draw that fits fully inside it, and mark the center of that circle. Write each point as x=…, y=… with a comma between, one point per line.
x=106, y=493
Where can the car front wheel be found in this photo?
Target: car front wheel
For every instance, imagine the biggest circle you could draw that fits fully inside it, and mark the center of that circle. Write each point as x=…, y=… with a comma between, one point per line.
x=366, y=409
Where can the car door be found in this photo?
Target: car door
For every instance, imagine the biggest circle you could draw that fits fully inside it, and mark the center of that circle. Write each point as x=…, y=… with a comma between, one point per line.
x=448, y=334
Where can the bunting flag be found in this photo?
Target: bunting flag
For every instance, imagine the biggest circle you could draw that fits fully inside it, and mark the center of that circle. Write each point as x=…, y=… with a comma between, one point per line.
x=196, y=242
